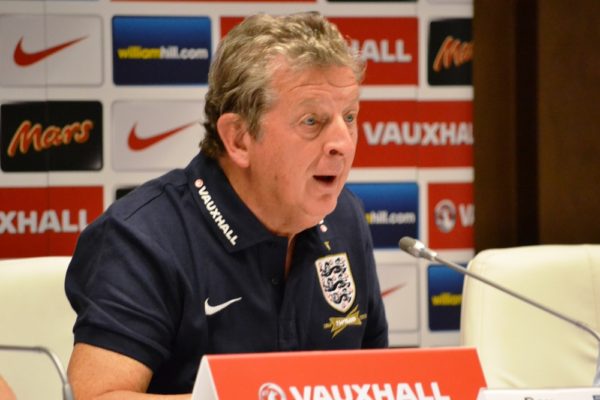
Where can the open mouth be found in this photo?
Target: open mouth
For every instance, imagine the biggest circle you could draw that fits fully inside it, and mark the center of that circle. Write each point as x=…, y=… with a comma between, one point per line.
x=325, y=178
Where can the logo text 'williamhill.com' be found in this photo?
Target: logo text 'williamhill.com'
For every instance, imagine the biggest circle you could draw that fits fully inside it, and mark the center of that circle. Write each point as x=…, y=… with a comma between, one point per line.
x=157, y=50
x=162, y=53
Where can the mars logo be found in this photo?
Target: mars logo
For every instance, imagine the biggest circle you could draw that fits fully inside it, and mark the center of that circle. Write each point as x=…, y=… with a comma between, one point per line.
x=51, y=136
x=450, y=52
x=453, y=52
x=30, y=135
x=452, y=215
x=389, y=45
x=271, y=391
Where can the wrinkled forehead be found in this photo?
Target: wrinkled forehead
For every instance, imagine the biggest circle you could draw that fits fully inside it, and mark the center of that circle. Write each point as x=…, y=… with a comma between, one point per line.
x=336, y=82
x=284, y=73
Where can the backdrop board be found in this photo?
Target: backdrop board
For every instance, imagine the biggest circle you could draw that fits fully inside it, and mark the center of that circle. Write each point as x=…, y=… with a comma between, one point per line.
x=98, y=96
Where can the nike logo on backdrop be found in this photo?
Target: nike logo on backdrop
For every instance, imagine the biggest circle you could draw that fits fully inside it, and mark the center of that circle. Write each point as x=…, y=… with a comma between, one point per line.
x=211, y=310
x=392, y=289
x=137, y=143
x=25, y=59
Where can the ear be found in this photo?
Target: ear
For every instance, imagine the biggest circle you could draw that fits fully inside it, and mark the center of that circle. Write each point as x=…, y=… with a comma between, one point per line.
x=235, y=136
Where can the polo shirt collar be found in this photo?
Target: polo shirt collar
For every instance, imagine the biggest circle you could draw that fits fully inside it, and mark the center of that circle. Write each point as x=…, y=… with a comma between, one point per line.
x=228, y=217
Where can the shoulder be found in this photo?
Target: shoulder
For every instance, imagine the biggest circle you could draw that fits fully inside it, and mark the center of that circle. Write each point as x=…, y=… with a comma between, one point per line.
x=150, y=196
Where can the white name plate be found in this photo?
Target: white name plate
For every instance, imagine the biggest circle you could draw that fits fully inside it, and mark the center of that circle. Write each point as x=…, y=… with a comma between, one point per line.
x=591, y=393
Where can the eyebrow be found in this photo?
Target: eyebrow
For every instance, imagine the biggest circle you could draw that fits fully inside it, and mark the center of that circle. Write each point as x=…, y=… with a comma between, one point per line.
x=312, y=100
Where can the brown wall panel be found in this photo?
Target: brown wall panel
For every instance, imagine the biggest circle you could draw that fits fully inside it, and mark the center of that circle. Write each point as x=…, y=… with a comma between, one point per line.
x=537, y=122
x=569, y=121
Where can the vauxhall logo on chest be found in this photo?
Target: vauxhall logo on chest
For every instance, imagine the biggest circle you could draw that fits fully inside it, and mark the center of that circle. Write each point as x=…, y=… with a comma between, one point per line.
x=214, y=212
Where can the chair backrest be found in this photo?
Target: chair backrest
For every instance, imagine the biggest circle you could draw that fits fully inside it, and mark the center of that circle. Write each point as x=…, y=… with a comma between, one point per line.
x=520, y=346
x=34, y=311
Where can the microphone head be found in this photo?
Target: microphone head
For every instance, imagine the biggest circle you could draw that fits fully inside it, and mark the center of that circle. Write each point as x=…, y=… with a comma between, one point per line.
x=407, y=244
x=416, y=248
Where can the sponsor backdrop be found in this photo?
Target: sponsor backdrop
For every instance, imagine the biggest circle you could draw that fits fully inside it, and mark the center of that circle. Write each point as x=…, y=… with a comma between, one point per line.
x=98, y=96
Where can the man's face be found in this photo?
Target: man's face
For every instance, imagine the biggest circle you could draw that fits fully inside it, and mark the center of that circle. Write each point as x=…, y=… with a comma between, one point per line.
x=306, y=143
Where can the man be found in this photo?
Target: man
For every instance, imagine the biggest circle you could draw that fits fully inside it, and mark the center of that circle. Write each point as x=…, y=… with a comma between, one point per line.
x=6, y=392
x=255, y=246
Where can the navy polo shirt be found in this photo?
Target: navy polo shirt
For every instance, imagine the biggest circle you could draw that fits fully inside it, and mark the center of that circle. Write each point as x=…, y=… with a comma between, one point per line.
x=180, y=267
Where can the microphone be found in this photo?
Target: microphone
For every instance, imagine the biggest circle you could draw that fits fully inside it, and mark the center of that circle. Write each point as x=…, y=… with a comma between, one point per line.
x=66, y=387
x=417, y=249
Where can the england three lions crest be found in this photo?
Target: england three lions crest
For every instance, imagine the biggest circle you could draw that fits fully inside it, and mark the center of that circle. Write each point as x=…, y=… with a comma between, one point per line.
x=336, y=281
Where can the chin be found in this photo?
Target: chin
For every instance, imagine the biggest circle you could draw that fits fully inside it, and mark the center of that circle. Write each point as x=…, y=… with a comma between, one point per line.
x=323, y=209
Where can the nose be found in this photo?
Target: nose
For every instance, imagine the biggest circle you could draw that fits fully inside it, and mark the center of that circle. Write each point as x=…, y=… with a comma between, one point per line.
x=340, y=138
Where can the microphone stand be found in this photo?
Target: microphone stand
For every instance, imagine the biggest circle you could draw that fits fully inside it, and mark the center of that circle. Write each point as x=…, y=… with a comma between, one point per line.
x=66, y=387
x=417, y=249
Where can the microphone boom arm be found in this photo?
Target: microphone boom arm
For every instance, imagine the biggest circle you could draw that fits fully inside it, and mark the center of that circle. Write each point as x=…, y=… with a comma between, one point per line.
x=66, y=387
x=417, y=249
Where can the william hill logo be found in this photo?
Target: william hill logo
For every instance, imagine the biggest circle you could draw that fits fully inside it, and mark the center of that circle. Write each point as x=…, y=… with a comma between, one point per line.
x=51, y=136
x=162, y=53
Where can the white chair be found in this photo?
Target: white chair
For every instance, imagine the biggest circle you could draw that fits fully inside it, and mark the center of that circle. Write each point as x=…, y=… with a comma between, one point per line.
x=34, y=311
x=520, y=346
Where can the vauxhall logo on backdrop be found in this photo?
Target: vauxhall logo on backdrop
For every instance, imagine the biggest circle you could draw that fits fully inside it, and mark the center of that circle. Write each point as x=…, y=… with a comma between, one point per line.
x=389, y=45
x=51, y=136
x=415, y=134
x=161, y=50
x=451, y=215
x=38, y=221
x=38, y=50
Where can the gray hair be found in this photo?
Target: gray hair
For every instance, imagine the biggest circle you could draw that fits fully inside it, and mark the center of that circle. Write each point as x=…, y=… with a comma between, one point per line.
x=242, y=69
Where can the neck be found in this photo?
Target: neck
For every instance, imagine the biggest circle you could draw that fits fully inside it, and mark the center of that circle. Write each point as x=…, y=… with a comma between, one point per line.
x=277, y=222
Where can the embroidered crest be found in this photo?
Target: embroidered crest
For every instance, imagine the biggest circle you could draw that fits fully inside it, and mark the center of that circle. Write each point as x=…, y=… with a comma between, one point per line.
x=336, y=281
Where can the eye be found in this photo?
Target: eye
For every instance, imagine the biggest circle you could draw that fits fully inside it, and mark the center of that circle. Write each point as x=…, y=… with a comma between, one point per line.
x=350, y=118
x=310, y=121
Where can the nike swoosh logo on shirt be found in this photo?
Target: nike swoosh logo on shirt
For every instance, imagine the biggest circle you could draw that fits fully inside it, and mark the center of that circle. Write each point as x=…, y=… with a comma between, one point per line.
x=137, y=143
x=25, y=59
x=212, y=310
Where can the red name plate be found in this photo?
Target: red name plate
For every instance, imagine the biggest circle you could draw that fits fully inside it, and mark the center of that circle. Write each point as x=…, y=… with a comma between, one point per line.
x=387, y=374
